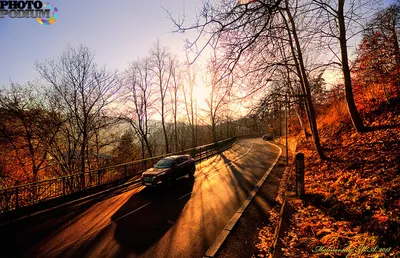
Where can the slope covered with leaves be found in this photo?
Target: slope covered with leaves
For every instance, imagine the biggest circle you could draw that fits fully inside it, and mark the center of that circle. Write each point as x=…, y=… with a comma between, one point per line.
x=352, y=204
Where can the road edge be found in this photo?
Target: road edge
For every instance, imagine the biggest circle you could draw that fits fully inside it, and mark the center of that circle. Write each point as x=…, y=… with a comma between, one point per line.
x=216, y=245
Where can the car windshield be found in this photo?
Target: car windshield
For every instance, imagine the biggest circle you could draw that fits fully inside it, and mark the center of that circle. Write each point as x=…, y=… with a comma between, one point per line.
x=164, y=163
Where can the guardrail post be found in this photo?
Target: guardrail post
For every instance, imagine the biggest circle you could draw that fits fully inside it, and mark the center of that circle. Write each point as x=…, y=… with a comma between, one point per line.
x=200, y=152
x=300, y=175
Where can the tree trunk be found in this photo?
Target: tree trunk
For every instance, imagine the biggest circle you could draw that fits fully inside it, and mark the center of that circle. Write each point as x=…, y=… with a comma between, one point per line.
x=395, y=41
x=175, y=133
x=298, y=112
x=165, y=134
x=301, y=122
x=143, y=154
x=280, y=118
x=304, y=81
x=82, y=153
x=193, y=130
x=297, y=109
x=146, y=142
x=214, y=131
x=351, y=105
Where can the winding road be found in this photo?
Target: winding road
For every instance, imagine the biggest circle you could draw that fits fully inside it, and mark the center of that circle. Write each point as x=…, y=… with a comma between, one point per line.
x=180, y=221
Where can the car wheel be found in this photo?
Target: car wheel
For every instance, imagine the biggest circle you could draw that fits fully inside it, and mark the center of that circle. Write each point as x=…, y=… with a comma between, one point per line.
x=191, y=172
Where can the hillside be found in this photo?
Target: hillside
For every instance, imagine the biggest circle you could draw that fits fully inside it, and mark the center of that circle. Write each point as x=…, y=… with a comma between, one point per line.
x=352, y=202
x=352, y=199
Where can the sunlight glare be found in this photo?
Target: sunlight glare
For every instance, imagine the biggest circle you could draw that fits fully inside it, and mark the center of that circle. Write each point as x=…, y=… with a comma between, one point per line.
x=201, y=94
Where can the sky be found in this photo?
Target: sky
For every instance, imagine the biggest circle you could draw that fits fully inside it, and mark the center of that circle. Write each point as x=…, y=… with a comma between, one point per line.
x=118, y=32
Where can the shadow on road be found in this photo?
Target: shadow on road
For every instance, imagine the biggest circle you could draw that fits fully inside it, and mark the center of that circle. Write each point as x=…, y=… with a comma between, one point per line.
x=136, y=232
x=20, y=238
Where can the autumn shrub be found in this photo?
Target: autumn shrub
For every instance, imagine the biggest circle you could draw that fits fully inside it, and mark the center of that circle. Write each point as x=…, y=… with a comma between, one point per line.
x=369, y=96
x=353, y=197
x=336, y=109
x=294, y=126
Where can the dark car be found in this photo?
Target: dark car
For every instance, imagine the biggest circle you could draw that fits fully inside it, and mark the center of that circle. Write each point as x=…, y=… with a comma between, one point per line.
x=169, y=169
x=267, y=137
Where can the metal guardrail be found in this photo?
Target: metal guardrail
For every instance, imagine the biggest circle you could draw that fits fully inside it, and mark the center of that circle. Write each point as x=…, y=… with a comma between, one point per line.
x=25, y=195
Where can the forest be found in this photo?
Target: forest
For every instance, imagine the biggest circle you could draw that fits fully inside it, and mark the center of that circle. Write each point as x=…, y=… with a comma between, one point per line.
x=79, y=116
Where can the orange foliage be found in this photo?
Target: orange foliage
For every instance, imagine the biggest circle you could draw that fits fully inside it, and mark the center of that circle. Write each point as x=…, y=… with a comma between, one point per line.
x=353, y=198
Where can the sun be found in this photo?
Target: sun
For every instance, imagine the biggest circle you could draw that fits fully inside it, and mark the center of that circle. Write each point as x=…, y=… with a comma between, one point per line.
x=201, y=93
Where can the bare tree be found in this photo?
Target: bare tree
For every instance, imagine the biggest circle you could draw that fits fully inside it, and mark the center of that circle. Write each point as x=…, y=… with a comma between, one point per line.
x=189, y=100
x=160, y=65
x=297, y=54
x=139, y=84
x=176, y=86
x=220, y=88
x=355, y=116
x=102, y=136
x=28, y=128
x=340, y=20
x=248, y=34
x=82, y=92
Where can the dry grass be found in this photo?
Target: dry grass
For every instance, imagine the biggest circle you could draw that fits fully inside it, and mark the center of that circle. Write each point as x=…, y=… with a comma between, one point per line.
x=336, y=114
x=352, y=203
x=353, y=198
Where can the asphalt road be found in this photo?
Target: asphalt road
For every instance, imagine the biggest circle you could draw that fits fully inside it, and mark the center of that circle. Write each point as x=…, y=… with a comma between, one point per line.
x=180, y=221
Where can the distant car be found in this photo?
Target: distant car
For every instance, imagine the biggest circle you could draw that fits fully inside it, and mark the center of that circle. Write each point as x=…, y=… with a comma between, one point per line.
x=267, y=137
x=169, y=169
